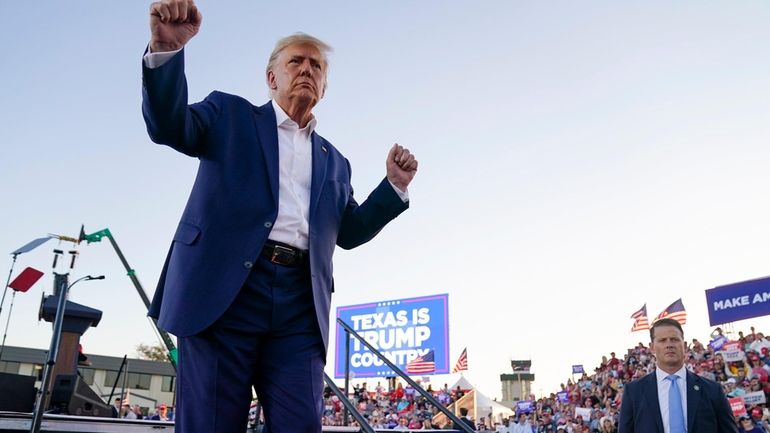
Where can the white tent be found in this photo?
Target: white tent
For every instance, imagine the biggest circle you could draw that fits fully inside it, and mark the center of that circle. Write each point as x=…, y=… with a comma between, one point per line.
x=485, y=407
x=463, y=383
x=478, y=405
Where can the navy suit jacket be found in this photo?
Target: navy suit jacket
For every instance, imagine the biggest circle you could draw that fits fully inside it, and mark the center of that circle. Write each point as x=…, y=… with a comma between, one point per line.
x=234, y=201
x=707, y=408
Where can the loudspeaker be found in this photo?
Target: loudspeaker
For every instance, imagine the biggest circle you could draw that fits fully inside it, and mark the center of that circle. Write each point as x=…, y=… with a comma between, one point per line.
x=73, y=396
x=17, y=392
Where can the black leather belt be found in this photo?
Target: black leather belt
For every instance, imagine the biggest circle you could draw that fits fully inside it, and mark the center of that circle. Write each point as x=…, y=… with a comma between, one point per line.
x=282, y=254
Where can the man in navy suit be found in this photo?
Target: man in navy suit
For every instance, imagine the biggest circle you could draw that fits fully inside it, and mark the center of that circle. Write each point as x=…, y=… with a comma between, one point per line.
x=247, y=282
x=672, y=399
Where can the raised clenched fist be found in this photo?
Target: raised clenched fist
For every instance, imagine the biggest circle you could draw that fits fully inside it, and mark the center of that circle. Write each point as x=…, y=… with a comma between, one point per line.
x=172, y=24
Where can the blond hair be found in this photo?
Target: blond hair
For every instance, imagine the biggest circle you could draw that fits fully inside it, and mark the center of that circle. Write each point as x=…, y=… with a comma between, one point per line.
x=299, y=38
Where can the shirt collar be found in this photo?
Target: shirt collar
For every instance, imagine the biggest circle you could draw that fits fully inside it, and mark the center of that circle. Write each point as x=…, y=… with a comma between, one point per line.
x=281, y=118
x=662, y=375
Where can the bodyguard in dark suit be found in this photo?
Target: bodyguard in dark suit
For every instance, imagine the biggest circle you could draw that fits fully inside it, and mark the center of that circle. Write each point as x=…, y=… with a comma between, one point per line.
x=247, y=283
x=671, y=399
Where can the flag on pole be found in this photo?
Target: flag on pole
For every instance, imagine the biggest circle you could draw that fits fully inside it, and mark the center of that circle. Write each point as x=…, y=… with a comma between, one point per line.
x=31, y=245
x=641, y=322
x=25, y=280
x=422, y=364
x=462, y=362
x=674, y=311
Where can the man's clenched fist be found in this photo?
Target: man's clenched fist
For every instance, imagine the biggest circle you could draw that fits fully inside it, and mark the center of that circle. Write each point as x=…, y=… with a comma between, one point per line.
x=172, y=24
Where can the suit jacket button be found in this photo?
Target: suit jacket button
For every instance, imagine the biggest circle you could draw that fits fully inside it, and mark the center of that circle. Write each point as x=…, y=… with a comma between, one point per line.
x=248, y=264
x=268, y=224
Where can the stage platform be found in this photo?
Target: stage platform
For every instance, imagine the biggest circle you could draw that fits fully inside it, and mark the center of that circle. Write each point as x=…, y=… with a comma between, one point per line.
x=22, y=422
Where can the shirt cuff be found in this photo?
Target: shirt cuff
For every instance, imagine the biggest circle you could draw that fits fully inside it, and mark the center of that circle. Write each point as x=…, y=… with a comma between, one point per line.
x=403, y=195
x=156, y=60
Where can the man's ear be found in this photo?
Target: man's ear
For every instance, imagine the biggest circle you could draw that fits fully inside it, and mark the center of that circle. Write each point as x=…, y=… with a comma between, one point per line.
x=271, y=80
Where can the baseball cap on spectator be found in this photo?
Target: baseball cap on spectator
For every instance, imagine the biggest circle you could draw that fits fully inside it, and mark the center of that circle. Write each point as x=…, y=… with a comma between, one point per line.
x=731, y=380
x=756, y=413
x=745, y=418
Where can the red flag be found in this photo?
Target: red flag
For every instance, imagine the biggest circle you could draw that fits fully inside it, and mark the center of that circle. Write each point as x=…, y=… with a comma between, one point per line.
x=25, y=280
x=462, y=362
x=675, y=311
x=641, y=322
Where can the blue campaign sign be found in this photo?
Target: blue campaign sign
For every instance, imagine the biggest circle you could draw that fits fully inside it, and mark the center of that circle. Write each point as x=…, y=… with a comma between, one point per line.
x=718, y=342
x=738, y=301
x=563, y=396
x=525, y=406
x=401, y=329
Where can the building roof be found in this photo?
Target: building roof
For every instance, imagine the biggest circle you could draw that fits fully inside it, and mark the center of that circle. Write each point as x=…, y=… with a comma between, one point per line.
x=29, y=355
x=518, y=377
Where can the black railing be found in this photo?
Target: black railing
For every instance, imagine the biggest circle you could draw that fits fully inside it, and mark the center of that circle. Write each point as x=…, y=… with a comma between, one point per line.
x=351, y=332
x=365, y=427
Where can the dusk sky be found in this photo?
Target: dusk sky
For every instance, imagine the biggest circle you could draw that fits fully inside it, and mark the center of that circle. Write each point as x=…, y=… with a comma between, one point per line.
x=577, y=160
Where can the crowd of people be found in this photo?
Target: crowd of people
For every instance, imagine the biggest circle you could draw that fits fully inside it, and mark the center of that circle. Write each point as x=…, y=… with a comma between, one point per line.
x=602, y=392
x=597, y=397
x=401, y=408
x=123, y=409
x=590, y=404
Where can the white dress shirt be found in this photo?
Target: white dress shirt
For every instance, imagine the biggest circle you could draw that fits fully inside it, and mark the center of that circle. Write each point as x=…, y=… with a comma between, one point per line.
x=295, y=168
x=664, y=385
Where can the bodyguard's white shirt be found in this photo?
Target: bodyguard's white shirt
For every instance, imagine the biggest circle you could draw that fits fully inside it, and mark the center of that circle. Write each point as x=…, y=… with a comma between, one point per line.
x=664, y=385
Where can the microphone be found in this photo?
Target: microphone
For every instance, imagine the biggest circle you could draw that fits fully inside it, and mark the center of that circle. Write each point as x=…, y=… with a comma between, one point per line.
x=90, y=277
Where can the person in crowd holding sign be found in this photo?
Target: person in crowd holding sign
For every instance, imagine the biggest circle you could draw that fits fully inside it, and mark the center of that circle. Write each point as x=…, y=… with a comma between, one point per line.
x=247, y=283
x=672, y=399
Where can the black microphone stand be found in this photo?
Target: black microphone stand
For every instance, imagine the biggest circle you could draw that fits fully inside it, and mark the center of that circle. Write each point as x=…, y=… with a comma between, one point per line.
x=53, y=351
x=8, y=281
x=2, y=301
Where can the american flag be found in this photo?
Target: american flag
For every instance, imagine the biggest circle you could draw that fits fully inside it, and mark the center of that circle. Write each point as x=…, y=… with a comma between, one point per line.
x=422, y=364
x=462, y=362
x=641, y=322
x=674, y=311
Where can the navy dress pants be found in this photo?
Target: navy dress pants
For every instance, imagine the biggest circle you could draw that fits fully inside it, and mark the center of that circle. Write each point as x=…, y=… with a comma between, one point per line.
x=269, y=339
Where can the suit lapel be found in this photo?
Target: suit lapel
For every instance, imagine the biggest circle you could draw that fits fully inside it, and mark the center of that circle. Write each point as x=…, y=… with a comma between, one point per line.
x=693, y=398
x=650, y=390
x=267, y=131
x=320, y=157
